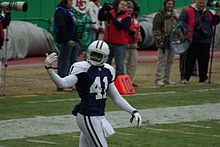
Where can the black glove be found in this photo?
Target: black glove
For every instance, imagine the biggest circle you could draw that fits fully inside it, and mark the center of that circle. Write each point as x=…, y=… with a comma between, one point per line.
x=109, y=15
x=132, y=33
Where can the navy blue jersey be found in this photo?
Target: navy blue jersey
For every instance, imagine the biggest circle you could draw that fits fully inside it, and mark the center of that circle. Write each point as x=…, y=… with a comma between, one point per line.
x=92, y=85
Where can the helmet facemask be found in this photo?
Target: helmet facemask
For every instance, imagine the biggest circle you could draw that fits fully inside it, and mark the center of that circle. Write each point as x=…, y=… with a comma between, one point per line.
x=96, y=59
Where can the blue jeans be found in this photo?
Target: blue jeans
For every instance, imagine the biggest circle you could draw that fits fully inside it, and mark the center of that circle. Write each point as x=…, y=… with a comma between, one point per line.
x=117, y=51
x=94, y=35
x=66, y=57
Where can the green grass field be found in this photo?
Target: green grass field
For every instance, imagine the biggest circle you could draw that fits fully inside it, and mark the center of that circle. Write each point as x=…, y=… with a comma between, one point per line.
x=201, y=133
x=30, y=94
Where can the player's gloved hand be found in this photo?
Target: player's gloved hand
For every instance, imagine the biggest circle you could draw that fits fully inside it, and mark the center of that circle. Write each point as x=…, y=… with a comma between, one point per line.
x=137, y=117
x=71, y=43
x=50, y=59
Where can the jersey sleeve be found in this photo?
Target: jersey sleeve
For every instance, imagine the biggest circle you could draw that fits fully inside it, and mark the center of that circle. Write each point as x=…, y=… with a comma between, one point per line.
x=79, y=67
x=112, y=70
x=66, y=82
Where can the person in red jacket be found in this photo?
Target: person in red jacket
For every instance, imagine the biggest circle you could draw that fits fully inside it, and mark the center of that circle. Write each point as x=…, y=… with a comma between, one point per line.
x=118, y=22
x=134, y=36
x=199, y=20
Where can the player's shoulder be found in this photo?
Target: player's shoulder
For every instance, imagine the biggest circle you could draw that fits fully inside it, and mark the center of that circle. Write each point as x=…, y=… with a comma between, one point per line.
x=79, y=67
x=111, y=69
x=108, y=66
x=82, y=64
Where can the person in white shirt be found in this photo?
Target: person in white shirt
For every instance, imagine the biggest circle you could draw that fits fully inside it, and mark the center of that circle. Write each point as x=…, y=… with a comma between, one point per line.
x=97, y=26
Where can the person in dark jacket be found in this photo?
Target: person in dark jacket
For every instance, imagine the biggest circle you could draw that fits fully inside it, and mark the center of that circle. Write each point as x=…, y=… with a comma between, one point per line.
x=163, y=22
x=199, y=20
x=4, y=22
x=65, y=30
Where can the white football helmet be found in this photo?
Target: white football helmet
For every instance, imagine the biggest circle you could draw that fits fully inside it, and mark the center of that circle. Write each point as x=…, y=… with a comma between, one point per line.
x=97, y=53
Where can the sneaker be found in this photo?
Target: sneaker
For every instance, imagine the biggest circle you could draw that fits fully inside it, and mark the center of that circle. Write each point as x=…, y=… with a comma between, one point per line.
x=169, y=82
x=206, y=81
x=184, y=81
x=160, y=84
x=134, y=85
x=59, y=89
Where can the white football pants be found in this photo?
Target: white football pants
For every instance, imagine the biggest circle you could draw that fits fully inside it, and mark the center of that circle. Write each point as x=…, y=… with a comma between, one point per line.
x=94, y=130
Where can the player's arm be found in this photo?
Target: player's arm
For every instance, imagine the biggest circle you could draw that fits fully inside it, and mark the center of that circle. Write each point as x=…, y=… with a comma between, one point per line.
x=66, y=82
x=118, y=99
x=121, y=102
x=122, y=24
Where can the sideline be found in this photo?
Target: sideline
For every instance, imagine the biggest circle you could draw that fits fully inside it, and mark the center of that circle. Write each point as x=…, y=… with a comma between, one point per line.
x=39, y=126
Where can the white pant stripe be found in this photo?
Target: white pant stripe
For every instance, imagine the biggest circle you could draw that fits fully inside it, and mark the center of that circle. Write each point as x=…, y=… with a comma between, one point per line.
x=92, y=131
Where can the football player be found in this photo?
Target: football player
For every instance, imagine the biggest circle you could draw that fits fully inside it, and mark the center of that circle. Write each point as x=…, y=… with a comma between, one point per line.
x=93, y=80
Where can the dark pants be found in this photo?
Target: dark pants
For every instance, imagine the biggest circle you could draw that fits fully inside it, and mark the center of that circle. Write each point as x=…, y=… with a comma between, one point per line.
x=198, y=51
x=66, y=57
x=182, y=60
x=117, y=51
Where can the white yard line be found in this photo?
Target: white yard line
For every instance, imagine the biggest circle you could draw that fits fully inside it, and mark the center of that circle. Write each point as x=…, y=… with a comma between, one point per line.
x=127, y=134
x=152, y=93
x=78, y=99
x=182, y=132
x=39, y=126
x=205, y=90
x=197, y=126
x=41, y=141
x=52, y=101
